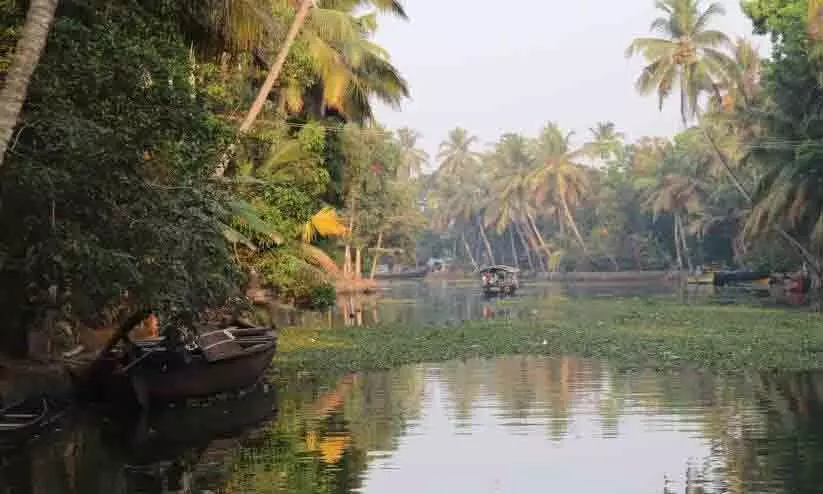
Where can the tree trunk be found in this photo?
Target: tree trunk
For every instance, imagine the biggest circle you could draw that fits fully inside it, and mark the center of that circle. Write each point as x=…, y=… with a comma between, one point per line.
x=545, y=252
x=572, y=224
x=268, y=84
x=677, y=244
x=376, y=255
x=358, y=264
x=534, y=236
x=347, y=264
x=804, y=252
x=525, y=245
x=515, y=260
x=26, y=56
x=485, y=240
x=347, y=261
x=468, y=251
x=686, y=253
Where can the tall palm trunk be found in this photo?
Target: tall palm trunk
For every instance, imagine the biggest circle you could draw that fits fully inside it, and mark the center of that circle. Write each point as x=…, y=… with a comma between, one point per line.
x=36, y=27
x=572, y=224
x=468, y=250
x=677, y=244
x=268, y=84
x=485, y=240
x=525, y=244
x=347, y=261
x=515, y=257
x=683, y=241
x=545, y=253
x=376, y=255
x=537, y=233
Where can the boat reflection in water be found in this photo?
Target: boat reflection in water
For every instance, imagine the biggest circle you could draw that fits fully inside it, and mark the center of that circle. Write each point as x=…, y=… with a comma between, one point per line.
x=166, y=450
x=162, y=450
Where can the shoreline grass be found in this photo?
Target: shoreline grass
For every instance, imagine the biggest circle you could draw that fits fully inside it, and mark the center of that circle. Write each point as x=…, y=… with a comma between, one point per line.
x=629, y=333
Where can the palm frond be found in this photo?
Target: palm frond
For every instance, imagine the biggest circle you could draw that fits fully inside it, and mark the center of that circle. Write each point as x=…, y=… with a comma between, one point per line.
x=248, y=216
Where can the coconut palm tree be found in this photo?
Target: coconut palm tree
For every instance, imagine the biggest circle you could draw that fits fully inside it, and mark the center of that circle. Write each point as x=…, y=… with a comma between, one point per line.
x=26, y=56
x=466, y=205
x=352, y=67
x=559, y=180
x=678, y=195
x=510, y=201
x=744, y=85
x=606, y=142
x=412, y=157
x=456, y=154
x=688, y=54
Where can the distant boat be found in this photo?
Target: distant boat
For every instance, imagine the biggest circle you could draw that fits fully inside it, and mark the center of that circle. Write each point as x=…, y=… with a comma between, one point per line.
x=706, y=278
x=725, y=278
x=500, y=279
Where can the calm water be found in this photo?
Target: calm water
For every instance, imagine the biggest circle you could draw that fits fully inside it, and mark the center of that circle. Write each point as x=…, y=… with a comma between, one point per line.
x=508, y=425
x=447, y=302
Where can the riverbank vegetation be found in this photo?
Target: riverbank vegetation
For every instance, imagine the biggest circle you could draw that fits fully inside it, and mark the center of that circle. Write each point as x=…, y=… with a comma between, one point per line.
x=630, y=333
x=180, y=154
x=148, y=164
x=737, y=186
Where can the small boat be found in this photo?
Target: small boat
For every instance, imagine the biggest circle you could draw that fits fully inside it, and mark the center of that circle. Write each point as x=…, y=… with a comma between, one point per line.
x=173, y=368
x=26, y=418
x=705, y=278
x=724, y=278
x=754, y=279
x=500, y=279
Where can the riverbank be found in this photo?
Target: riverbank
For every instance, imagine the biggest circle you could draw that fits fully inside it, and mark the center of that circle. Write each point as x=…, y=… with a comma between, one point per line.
x=631, y=333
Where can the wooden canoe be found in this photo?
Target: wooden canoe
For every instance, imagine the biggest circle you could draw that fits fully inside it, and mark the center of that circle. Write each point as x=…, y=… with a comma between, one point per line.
x=152, y=372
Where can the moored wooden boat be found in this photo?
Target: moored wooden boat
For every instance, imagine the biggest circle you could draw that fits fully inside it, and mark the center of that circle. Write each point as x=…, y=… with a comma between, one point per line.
x=725, y=278
x=500, y=279
x=706, y=278
x=741, y=277
x=162, y=370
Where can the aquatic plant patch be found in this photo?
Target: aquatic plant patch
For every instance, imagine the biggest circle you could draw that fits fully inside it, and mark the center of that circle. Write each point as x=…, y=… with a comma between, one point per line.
x=631, y=333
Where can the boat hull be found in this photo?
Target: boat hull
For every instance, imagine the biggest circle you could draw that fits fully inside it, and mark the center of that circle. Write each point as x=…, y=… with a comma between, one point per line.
x=199, y=378
x=158, y=375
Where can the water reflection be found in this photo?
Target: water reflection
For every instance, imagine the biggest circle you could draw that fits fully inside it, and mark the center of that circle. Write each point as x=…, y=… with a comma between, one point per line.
x=514, y=424
x=454, y=301
x=450, y=301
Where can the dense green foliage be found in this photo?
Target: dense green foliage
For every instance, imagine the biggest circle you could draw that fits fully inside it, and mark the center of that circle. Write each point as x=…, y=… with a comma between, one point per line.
x=103, y=194
x=740, y=187
x=108, y=196
x=110, y=200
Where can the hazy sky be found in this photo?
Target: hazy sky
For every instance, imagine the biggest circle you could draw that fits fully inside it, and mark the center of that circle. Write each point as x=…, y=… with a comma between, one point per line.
x=495, y=67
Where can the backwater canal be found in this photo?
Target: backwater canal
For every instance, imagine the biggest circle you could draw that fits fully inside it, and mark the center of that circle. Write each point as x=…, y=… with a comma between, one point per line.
x=514, y=424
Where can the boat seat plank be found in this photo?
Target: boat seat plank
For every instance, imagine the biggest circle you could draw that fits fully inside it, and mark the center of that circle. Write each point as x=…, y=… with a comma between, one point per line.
x=13, y=416
x=218, y=345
